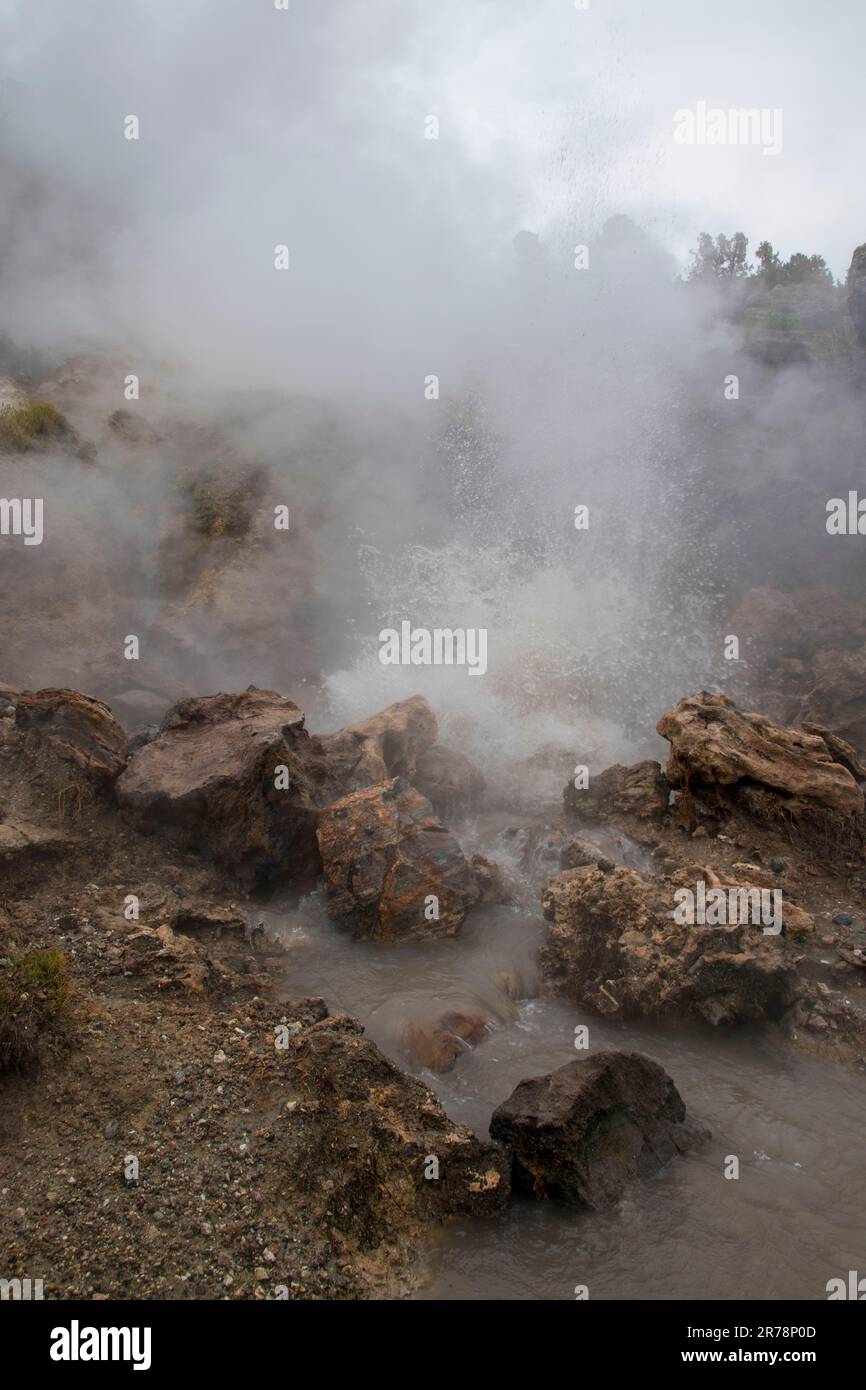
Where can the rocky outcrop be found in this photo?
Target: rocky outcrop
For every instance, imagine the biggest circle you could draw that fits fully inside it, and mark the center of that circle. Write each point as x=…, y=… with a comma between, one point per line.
x=613, y=944
x=235, y=777
x=724, y=758
x=583, y=1133
x=713, y=743
x=391, y=868
x=639, y=790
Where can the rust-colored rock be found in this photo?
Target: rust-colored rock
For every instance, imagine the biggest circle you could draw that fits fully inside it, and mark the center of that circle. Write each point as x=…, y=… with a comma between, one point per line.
x=211, y=776
x=386, y=856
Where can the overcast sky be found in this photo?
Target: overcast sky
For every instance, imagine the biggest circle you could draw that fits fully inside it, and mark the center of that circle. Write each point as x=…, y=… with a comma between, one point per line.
x=307, y=127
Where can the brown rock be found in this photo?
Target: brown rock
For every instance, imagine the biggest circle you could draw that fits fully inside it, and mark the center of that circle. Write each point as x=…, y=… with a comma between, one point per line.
x=78, y=728
x=613, y=944
x=723, y=760
x=840, y=749
x=450, y=781
x=210, y=775
x=639, y=790
x=583, y=1133
x=384, y=854
x=797, y=924
x=579, y=854
x=398, y=1126
x=489, y=880
x=387, y=745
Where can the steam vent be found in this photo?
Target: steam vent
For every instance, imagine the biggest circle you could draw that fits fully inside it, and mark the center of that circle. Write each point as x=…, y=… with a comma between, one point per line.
x=432, y=674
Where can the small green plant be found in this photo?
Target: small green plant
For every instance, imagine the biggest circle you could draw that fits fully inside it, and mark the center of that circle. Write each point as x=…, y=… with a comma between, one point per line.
x=218, y=510
x=27, y=426
x=34, y=989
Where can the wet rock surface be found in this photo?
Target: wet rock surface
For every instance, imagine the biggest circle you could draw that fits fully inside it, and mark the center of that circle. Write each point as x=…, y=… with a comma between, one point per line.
x=584, y=1133
x=391, y=868
x=437, y=1043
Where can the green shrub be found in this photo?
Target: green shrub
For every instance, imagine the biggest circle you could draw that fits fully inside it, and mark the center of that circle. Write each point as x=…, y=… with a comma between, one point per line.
x=218, y=510
x=34, y=990
x=25, y=427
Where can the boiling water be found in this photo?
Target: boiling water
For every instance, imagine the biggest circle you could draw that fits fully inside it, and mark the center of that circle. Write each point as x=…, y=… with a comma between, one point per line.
x=796, y=1216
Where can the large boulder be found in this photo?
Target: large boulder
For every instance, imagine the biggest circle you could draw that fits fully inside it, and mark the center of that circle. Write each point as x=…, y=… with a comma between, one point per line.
x=583, y=1133
x=728, y=758
x=614, y=945
x=211, y=775
x=386, y=857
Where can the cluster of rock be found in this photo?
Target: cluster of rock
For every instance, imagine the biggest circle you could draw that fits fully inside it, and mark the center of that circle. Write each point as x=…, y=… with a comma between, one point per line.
x=240, y=781
x=615, y=942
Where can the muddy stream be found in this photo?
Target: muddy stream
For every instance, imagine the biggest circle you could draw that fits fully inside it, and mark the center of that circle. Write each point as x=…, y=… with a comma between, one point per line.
x=794, y=1218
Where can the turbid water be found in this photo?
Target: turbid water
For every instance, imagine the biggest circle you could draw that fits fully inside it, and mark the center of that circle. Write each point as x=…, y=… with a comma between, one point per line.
x=794, y=1218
